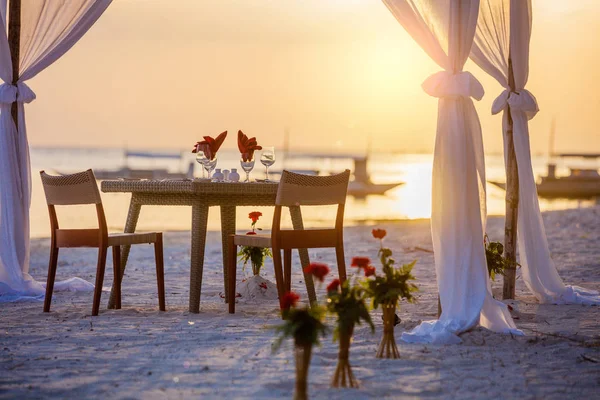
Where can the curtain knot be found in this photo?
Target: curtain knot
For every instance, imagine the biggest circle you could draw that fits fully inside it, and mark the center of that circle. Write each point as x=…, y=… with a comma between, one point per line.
x=20, y=92
x=445, y=84
x=521, y=100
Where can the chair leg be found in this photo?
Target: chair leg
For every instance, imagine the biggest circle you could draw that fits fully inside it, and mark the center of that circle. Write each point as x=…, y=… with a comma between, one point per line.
x=99, y=279
x=231, y=272
x=279, y=276
x=51, y=275
x=287, y=269
x=160, y=271
x=341, y=262
x=116, y=253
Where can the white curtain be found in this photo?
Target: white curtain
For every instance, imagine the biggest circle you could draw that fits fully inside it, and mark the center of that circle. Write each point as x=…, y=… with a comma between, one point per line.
x=49, y=28
x=445, y=30
x=503, y=29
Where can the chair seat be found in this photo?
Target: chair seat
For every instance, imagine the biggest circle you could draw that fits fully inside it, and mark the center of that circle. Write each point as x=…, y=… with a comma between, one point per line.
x=252, y=240
x=122, y=239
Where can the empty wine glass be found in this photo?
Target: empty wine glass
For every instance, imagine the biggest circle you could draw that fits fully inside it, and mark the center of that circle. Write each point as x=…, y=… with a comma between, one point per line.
x=267, y=158
x=247, y=163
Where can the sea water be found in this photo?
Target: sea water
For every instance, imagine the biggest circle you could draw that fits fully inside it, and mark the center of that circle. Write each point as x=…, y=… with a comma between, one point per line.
x=409, y=201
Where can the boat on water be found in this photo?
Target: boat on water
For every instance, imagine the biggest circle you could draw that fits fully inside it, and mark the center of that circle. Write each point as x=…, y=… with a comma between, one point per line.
x=362, y=186
x=580, y=183
x=149, y=173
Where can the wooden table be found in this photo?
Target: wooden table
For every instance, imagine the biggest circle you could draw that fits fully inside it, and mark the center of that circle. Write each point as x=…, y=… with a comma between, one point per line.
x=200, y=196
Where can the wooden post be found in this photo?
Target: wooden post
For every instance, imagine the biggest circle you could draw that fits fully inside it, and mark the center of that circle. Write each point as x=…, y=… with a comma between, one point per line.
x=14, y=42
x=512, y=200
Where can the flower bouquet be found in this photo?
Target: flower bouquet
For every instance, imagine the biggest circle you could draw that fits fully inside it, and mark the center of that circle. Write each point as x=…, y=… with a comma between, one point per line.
x=347, y=303
x=305, y=326
x=494, y=255
x=386, y=290
x=256, y=286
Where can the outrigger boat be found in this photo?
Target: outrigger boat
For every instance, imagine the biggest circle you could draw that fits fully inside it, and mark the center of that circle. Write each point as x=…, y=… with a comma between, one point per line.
x=137, y=173
x=580, y=183
x=362, y=186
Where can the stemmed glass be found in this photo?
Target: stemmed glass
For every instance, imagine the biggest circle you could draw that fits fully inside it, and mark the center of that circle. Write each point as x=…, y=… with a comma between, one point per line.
x=201, y=159
x=208, y=164
x=247, y=163
x=267, y=158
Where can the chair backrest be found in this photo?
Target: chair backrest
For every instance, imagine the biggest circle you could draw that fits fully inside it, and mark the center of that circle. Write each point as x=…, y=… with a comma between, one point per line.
x=79, y=188
x=309, y=190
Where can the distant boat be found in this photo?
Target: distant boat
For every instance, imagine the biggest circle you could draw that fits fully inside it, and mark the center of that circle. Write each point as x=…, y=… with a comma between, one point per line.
x=362, y=186
x=137, y=173
x=580, y=183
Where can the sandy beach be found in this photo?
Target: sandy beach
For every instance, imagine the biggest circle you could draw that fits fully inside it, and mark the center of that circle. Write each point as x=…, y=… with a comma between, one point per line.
x=139, y=352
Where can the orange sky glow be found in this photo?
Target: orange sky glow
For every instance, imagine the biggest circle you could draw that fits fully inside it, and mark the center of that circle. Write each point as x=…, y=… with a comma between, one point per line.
x=160, y=74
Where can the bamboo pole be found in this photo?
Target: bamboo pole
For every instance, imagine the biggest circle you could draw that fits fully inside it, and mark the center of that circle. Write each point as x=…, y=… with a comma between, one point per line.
x=512, y=200
x=14, y=42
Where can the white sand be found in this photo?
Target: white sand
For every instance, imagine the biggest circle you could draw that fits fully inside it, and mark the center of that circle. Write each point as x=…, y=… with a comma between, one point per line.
x=138, y=352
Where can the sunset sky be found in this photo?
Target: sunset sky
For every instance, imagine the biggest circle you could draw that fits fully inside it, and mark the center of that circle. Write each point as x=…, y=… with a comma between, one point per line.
x=162, y=73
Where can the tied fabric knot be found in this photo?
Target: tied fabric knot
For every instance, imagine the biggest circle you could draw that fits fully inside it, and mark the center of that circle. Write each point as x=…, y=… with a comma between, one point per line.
x=521, y=100
x=445, y=84
x=20, y=92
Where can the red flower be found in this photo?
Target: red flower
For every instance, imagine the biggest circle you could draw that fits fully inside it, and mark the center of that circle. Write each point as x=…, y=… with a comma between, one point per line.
x=379, y=233
x=333, y=286
x=369, y=270
x=289, y=300
x=360, y=262
x=251, y=233
x=318, y=270
x=254, y=215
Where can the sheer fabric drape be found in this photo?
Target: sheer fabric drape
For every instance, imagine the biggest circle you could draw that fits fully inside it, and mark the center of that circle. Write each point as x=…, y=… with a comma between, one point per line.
x=503, y=29
x=49, y=29
x=445, y=30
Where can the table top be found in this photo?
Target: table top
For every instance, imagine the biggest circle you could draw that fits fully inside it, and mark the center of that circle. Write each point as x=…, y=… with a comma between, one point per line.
x=187, y=186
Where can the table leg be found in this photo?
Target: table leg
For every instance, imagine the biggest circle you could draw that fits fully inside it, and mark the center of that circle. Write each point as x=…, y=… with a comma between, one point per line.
x=199, y=222
x=297, y=223
x=227, y=228
x=130, y=225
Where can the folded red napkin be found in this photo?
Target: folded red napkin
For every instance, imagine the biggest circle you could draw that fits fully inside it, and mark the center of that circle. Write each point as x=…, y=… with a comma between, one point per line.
x=247, y=146
x=210, y=146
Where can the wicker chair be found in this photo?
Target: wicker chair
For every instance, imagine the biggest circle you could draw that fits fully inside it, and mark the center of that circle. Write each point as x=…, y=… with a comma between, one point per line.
x=297, y=190
x=81, y=188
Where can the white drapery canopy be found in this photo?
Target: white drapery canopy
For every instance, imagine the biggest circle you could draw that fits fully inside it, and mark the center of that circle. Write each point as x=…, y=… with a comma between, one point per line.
x=49, y=28
x=503, y=31
x=445, y=30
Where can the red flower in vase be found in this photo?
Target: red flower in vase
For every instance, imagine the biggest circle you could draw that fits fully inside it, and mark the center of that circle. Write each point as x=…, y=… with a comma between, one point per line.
x=254, y=216
x=318, y=270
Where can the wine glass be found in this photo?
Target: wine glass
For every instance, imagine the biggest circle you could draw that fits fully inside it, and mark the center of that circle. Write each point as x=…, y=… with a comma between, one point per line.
x=247, y=163
x=209, y=163
x=267, y=158
x=201, y=159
